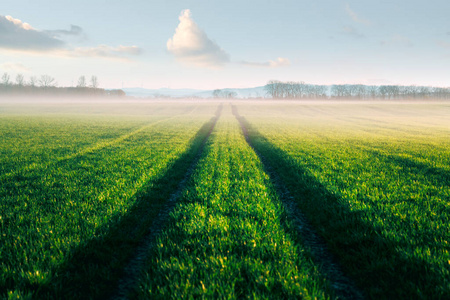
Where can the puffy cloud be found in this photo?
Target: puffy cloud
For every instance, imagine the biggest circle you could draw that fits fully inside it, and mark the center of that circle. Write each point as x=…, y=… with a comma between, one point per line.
x=19, y=23
x=279, y=62
x=17, y=35
x=355, y=16
x=191, y=45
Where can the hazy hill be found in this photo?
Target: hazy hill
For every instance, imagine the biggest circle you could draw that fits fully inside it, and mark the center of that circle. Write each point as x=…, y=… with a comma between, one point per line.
x=179, y=93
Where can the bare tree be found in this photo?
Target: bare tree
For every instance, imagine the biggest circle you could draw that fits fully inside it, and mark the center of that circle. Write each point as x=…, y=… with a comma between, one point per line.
x=217, y=93
x=32, y=81
x=5, y=79
x=94, y=82
x=230, y=94
x=81, y=82
x=47, y=81
x=20, y=80
x=272, y=88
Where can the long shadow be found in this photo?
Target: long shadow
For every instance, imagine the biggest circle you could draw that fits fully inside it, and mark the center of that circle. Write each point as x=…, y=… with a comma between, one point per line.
x=416, y=167
x=92, y=270
x=376, y=263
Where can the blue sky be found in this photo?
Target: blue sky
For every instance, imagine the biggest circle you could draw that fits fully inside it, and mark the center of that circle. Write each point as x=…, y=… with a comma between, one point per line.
x=218, y=44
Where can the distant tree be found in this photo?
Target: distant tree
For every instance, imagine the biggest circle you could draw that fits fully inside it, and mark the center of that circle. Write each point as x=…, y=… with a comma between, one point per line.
x=5, y=79
x=224, y=94
x=94, y=82
x=20, y=80
x=119, y=93
x=81, y=82
x=372, y=91
x=32, y=81
x=217, y=93
x=231, y=94
x=47, y=81
x=271, y=88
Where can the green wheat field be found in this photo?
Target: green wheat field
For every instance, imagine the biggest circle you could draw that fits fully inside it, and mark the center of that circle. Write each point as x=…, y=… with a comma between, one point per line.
x=195, y=188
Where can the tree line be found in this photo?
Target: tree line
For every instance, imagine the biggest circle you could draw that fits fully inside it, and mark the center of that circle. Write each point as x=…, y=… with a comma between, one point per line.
x=47, y=85
x=301, y=90
x=226, y=94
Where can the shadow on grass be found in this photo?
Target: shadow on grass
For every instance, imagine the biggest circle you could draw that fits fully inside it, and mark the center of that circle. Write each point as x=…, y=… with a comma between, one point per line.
x=92, y=269
x=377, y=264
x=437, y=174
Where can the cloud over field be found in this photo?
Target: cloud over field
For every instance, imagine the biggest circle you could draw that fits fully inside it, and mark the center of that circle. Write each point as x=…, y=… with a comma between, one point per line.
x=16, y=35
x=191, y=45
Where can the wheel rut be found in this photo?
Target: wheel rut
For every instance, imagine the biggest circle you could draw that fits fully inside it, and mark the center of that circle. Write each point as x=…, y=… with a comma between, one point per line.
x=132, y=270
x=343, y=286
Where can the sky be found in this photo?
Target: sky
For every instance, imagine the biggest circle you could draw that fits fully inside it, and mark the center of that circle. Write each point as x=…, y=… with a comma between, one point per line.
x=227, y=44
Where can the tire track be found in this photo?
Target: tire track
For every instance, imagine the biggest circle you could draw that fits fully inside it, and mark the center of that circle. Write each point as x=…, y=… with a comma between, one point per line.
x=343, y=287
x=132, y=270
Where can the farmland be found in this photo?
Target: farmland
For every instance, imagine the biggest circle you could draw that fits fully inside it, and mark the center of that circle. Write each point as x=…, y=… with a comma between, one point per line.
x=227, y=237
x=70, y=183
x=81, y=186
x=374, y=181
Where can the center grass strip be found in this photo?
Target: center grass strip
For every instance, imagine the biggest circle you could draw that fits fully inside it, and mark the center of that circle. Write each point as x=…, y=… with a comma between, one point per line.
x=225, y=239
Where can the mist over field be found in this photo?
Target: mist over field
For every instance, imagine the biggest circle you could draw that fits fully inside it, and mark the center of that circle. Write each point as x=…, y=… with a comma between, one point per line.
x=224, y=149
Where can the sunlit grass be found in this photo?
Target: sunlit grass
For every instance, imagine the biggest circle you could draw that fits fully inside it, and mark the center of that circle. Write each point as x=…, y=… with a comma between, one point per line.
x=80, y=186
x=226, y=237
x=373, y=179
x=55, y=204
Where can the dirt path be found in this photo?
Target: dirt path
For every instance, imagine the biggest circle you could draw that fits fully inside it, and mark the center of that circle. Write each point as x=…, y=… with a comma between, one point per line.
x=343, y=287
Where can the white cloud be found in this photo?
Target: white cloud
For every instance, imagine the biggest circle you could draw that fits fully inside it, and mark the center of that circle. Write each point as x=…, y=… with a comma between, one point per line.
x=19, y=23
x=14, y=67
x=355, y=16
x=17, y=35
x=191, y=45
x=279, y=62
